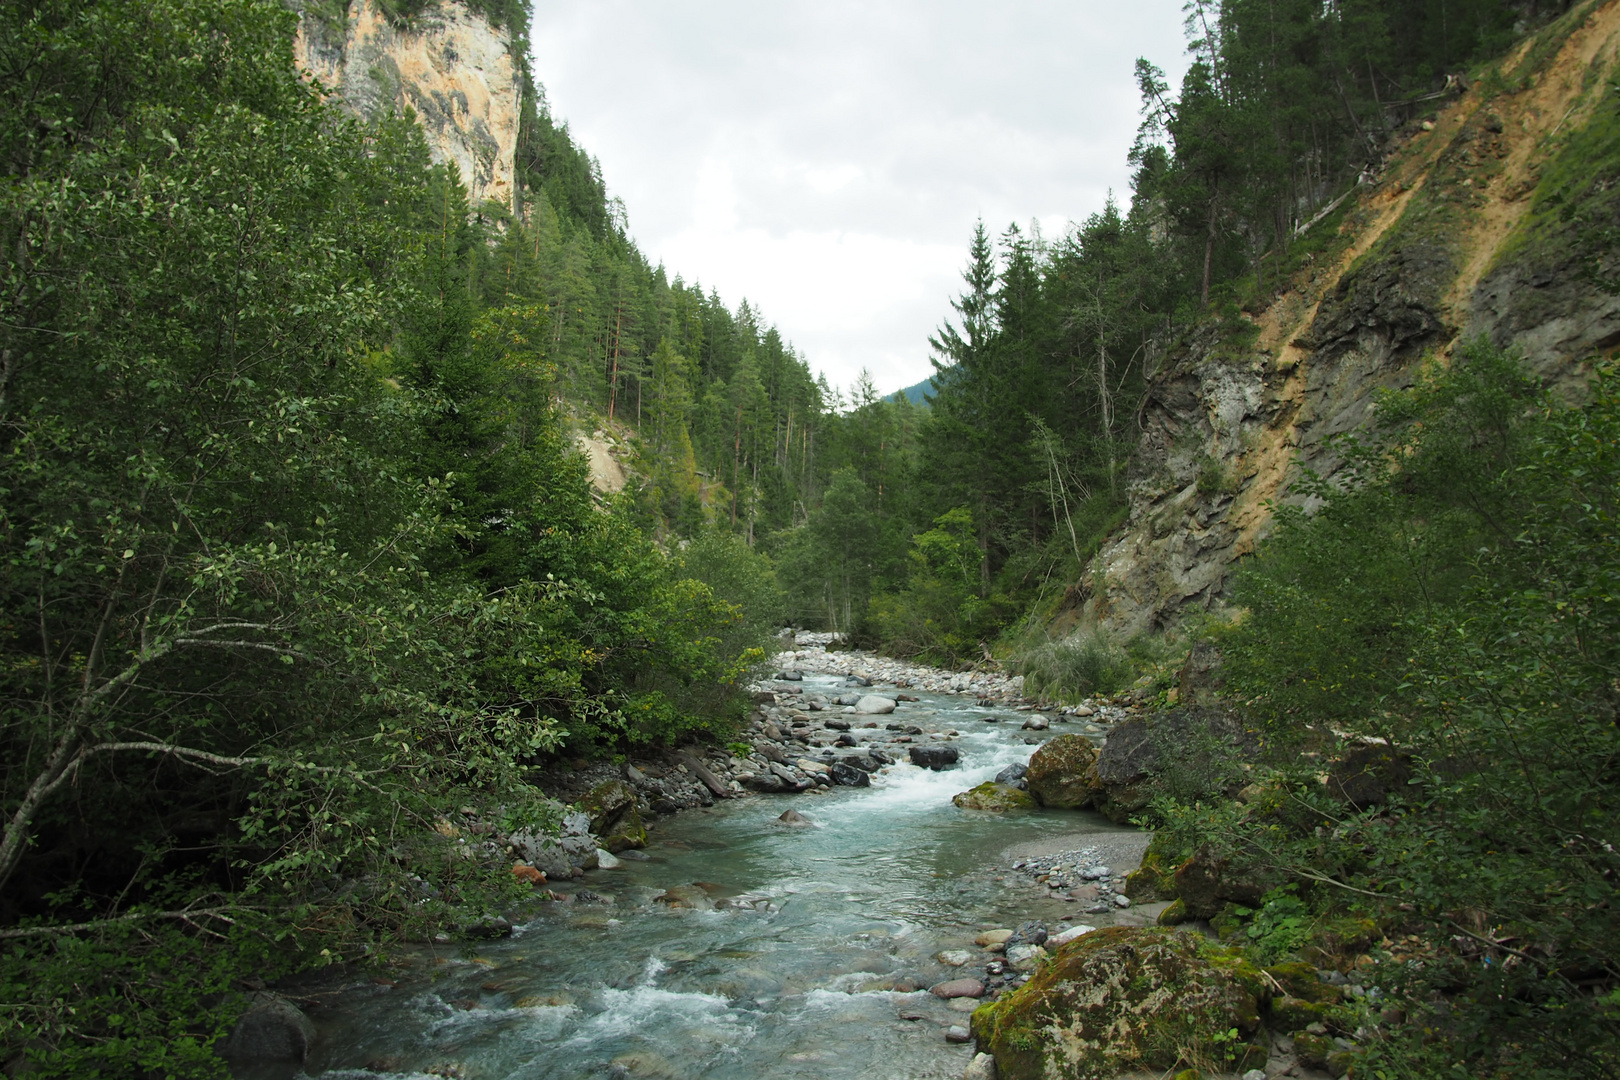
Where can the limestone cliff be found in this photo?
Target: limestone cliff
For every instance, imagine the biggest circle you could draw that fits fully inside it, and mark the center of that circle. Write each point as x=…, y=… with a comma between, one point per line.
x=450, y=66
x=1498, y=218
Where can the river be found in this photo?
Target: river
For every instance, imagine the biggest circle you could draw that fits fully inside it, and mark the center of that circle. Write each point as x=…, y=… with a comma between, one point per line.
x=793, y=973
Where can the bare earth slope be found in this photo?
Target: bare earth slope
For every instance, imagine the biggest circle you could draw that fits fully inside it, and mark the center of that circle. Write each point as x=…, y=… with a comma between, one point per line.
x=1500, y=221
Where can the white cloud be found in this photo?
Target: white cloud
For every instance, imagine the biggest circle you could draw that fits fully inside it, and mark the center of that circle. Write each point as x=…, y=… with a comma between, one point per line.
x=827, y=161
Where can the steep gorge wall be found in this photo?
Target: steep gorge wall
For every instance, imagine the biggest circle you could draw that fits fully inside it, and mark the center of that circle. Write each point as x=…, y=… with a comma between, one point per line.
x=448, y=65
x=1461, y=235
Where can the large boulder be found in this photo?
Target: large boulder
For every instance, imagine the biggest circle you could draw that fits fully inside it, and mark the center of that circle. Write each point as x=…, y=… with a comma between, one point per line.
x=1206, y=883
x=1192, y=750
x=874, y=704
x=272, y=1029
x=934, y=757
x=560, y=855
x=993, y=796
x=1061, y=773
x=1127, y=999
x=615, y=816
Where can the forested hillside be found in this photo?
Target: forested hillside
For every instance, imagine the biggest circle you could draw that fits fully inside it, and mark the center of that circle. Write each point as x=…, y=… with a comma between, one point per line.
x=299, y=553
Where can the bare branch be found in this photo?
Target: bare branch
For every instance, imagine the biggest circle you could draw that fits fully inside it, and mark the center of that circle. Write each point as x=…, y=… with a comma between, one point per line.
x=140, y=916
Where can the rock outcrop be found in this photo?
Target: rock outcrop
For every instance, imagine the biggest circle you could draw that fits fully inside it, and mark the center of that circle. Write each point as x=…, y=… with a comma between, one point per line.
x=1494, y=221
x=449, y=66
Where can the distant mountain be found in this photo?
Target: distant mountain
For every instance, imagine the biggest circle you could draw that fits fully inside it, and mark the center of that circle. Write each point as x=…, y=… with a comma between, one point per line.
x=915, y=392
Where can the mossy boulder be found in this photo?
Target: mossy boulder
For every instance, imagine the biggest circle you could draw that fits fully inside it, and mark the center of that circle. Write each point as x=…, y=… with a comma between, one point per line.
x=1127, y=998
x=1062, y=773
x=1299, y=979
x=615, y=816
x=1294, y=1014
x=1175, y=914
x=1208, y=882
x=1155, y=878
x=995, y=797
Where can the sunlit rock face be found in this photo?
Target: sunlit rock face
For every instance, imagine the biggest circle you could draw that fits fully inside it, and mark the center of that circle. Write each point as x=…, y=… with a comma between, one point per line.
x=448, y=65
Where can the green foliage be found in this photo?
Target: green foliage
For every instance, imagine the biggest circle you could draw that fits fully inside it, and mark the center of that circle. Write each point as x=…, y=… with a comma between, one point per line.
x=295, y=550
x=1492, y=664
x=1280, y=926
x=939, y=615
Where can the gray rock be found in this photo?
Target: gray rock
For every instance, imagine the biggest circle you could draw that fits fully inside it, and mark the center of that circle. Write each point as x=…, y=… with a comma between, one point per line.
x=793, y=817
x=956, y=1033
x=1013, y=776
x=272, y=1029
x=934, y=757
x=838, y=725
x=849, y=775
x=874, y=705
x=982, y=1067
x=558, y=857
x=1036, y=723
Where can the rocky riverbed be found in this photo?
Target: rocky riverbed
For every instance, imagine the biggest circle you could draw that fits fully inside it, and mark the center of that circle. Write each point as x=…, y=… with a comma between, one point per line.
x=694, y=921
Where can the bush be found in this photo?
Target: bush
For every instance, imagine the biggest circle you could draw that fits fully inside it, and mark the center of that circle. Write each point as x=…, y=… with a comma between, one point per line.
x=1457, y=595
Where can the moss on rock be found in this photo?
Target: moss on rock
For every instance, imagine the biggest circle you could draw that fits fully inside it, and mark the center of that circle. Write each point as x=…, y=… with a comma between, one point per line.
x=1125, y=998
x=1063, y=773
x=993, y=796
x=615, y=815
x=1155, y=879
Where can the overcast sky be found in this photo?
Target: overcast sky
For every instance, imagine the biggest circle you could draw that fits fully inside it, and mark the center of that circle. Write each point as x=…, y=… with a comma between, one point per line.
x=827, y=160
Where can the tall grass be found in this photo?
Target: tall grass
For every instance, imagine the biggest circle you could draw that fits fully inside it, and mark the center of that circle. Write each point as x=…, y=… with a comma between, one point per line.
x=1079, y=666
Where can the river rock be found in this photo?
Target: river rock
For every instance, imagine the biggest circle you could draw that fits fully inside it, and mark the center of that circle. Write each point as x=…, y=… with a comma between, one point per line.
x=1025, y=957
x=1036, y=723
x=561, y=856
x=794, y=818
x=982, y=1067
x=615, y=816
x=605, y=860
x=1123, y=1000
x=992, y=937
x=994, y=797
x=849, y=776
x=874, y=705
x=1013, y=776
x=1058, y=940
x=954, y=957
x=934, y=757
x=686, y=896
x=272, y=1029
x=790, y=676
x=1062, y=773
x=956, y=1033
x=958, y=988
x=838, y=725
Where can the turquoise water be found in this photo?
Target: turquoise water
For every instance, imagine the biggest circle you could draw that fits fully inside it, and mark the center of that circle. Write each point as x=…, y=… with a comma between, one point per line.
x=790, y=976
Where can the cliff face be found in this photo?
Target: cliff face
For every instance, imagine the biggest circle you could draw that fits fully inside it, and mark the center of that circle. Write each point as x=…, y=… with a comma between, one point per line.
x=450, y=66
x=1502, y=221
